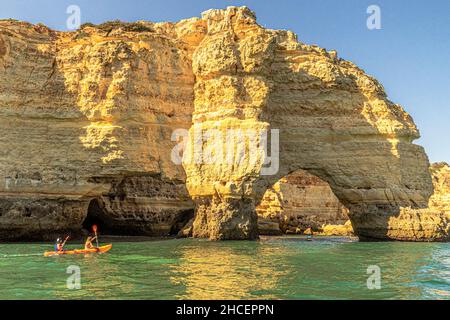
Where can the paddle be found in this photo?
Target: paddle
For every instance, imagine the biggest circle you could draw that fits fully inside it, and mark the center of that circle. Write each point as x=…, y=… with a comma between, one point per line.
x=64, y=242
x=94, y=228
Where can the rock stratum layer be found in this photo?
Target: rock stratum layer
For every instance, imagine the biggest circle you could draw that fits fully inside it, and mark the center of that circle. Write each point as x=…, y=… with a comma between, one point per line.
x=334, y=121
x=87, y=119
x=440, y=200
x=298, y=202
x=89, y=115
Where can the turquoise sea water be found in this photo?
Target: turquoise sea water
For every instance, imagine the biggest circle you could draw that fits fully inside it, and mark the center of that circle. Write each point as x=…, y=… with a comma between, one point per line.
x=272, y=268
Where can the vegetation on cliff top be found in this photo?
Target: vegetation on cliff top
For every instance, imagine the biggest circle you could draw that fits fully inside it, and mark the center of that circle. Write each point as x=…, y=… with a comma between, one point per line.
x=108, y=26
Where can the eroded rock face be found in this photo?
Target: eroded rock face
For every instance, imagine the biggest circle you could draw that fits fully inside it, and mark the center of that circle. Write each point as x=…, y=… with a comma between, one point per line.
x=334, y=121
x=142, y=205
x=83, y=111
x=297, y=202
x=37, y=218
x=87, y=119
x=430, y=223
x=440, y=200
x=441, y=181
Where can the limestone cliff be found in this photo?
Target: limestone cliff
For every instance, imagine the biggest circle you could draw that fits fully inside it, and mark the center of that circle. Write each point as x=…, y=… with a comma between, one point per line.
x=301, y=201
x=297, y=202
x=87, y=119
x=89, y=116
x=440, y=200
x=334, y=121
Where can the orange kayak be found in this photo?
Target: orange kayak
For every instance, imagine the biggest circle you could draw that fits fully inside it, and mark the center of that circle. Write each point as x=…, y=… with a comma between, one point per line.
x=101, y=249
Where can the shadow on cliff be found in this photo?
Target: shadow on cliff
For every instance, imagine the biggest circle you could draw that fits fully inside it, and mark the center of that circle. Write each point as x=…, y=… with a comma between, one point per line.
x=374, y=174
x=82, y=153
x=125, y=142
x=370, y=172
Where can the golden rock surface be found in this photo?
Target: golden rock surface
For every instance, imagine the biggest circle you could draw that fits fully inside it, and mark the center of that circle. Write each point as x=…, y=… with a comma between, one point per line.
x=334, y=121
x=89, y=116
x=300, y=201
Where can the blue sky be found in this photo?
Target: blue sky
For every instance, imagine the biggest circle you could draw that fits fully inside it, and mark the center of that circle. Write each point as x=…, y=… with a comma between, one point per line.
x=410, y=55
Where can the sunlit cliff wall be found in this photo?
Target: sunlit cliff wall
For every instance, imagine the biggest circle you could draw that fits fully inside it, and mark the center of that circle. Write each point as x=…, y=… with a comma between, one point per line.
x=87, y=119
x=334, y=121
x=298, y=202
x=88, y=115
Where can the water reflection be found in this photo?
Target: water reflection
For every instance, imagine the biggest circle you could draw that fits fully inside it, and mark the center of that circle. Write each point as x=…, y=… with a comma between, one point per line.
x=284, y=268
x=230, y=271
x=434, y=277
x=99, y=277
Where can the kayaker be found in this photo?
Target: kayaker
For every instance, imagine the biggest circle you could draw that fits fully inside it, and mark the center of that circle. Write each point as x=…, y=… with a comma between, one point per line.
x=59, y=245
x=88, y=244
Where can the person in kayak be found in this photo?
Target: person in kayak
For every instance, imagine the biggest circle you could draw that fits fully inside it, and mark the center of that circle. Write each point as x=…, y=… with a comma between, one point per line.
x=59, y=245
x=88, y=244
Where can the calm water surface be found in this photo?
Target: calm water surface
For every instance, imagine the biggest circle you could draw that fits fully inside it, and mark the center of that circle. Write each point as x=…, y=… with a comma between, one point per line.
x=272, y=268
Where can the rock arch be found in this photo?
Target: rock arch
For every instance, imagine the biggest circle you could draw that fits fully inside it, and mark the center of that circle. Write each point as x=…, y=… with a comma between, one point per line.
x=334, y=121
x=299, y=203
x=90, y=114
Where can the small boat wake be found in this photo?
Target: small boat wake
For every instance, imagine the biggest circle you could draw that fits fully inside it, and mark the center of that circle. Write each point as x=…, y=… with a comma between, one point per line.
x=6, y=256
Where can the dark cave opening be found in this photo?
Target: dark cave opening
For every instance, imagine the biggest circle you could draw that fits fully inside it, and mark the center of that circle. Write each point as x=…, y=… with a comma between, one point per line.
x=96, y=216
x=181, y=220
x=107, y=225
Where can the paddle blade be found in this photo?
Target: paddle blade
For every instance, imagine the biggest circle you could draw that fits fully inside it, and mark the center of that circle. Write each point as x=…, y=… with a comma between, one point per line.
x=94, y=228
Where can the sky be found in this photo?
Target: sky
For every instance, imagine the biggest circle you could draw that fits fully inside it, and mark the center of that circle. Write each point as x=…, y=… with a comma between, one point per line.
x=409, y=55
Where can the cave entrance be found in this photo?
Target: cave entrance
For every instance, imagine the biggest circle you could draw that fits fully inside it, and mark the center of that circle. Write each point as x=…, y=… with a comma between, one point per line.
x=96, y=216
x=299, y=203
x=168, y=224
x=181, y=221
